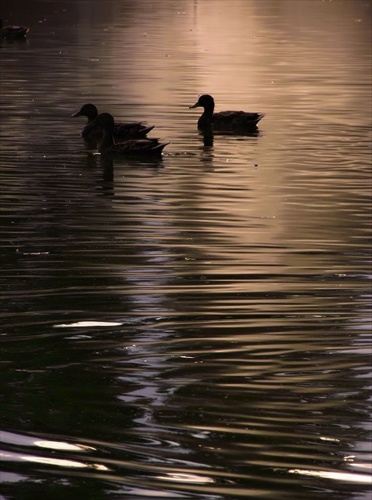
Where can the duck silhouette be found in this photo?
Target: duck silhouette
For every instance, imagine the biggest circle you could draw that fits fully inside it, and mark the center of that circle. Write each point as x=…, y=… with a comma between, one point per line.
x=122, y=131
x=145, y=147
x=237, y=122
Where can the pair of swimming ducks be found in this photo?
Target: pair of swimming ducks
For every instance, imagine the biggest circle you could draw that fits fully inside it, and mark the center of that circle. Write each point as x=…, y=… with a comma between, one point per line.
x=131, y=138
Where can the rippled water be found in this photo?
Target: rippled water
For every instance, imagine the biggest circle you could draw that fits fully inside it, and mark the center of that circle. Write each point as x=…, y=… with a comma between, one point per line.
x=197, y=327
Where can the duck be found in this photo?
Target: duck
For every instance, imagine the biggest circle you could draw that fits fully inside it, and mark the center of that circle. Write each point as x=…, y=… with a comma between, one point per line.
x=122, y=131
x=13, y=32
x=224, y=121
x=132, y=147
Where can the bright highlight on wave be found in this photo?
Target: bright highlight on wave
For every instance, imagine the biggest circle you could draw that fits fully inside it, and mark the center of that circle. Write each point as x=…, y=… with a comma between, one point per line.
x=31, y=441
x=337, y=476
x=61, y=445
x=88, y=324
x=186, y=478
x=20, y=440
x=19, y=457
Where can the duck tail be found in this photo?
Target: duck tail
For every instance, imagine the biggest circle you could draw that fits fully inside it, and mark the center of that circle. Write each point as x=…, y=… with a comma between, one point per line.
x=146, y=130
x=159, y=147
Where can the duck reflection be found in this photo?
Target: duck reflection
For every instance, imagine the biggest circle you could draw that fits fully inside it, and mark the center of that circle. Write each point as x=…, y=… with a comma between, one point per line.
x=107, y=164
x=208, y=137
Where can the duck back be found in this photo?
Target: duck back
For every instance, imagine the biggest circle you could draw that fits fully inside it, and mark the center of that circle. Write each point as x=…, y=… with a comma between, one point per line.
x=235, y=120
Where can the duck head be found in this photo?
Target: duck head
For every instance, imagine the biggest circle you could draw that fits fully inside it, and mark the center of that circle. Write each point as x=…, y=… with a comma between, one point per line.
x=205, y=101
x=88, y=110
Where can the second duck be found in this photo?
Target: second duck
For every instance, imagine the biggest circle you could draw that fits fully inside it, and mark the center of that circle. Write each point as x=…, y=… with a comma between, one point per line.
x=135, y=147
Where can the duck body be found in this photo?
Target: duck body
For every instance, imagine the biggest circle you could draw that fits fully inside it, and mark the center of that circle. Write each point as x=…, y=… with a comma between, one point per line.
x=122, y=131
x=13, y=32
x=142, y=147
x=225, y=121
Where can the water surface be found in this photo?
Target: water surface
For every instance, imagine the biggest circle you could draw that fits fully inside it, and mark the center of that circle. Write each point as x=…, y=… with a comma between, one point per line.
x=197, y=327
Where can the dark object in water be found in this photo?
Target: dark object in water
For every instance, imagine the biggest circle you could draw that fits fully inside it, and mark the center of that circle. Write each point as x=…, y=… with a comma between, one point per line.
x=13, y=32
x=122, y=131
x=225, y=121
x=132, y=147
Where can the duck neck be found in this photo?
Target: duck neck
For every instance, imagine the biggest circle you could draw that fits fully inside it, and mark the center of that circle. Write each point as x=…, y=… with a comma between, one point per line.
x=208, y=111
x=205, y=121
x=91, y=117
x=107, y=139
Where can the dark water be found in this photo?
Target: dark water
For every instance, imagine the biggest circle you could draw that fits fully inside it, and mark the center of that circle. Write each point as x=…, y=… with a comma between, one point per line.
x=196, y=328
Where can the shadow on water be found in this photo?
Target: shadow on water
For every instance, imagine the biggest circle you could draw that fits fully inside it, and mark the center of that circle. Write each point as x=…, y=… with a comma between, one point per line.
x=209, y=135
x=108, y=165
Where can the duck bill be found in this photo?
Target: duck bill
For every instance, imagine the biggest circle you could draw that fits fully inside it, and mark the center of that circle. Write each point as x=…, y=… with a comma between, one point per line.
x=196, y=105
x=75, y=114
